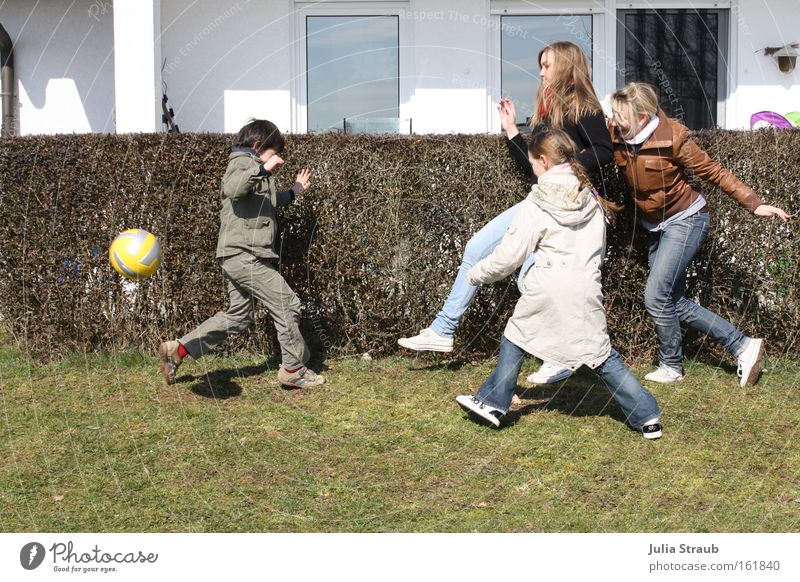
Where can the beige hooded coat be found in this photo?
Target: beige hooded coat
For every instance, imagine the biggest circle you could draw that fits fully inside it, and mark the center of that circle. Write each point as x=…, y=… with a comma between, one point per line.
x=560, y=315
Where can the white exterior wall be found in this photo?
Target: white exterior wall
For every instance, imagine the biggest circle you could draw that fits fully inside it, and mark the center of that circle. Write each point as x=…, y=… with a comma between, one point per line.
x=137, y=65
x=64, y=64
x=759, y=85
x=229, y=61
x=226, y=62
x=451, y=60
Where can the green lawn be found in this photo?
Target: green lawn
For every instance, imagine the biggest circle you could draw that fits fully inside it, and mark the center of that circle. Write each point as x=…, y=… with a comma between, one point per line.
x=99, y=444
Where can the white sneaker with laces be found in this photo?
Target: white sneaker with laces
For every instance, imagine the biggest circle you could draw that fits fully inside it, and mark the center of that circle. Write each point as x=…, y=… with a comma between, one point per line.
x=475, y=406
x=427, y=341
x=549, y=373
x=665, y=375
x=750, y=362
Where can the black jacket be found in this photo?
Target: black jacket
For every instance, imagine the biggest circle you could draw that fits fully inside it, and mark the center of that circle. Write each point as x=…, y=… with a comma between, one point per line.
x=591, y=136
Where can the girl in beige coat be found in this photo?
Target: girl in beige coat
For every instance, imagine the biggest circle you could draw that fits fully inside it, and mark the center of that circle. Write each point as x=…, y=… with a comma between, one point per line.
x=560, y=316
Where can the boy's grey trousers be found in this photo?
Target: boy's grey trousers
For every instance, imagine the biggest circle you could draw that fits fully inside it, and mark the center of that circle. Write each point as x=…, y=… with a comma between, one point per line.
x=251, y=278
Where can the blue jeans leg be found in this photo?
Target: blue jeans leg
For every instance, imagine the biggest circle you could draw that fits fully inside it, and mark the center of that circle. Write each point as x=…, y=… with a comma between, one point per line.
x=670, y=252
x=637, y=404
x=461, y=295
x=498, y=389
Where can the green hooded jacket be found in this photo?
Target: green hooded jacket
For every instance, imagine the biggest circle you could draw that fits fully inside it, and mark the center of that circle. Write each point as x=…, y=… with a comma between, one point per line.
x=249, y=199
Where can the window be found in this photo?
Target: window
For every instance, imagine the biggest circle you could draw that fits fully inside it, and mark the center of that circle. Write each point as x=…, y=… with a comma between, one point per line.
x=521, y=40
x=683, y=53
x=352, y=65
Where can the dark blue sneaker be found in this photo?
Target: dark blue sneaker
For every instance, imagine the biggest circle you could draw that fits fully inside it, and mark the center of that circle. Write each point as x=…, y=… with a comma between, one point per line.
x=475, y=406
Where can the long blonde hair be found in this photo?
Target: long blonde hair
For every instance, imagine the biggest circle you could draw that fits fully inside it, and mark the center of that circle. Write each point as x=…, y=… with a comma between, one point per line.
x=571, y=94
x=557, y=146
x=641, y=99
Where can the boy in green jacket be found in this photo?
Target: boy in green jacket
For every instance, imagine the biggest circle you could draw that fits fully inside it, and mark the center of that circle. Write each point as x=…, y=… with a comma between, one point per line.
x=245, y=252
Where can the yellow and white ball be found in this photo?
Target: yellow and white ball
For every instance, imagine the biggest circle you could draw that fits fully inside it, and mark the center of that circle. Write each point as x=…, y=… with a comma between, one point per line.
x=135, y=253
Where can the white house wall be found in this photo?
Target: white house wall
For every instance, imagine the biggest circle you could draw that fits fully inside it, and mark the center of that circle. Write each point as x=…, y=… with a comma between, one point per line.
x=64, y=64
x=137, y=65
x=450, y=44
x=759, y=83
x=227, y=61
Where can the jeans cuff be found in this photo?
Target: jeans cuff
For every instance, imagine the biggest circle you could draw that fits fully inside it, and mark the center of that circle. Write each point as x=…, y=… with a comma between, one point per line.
x=438, y=329
x=741, y=346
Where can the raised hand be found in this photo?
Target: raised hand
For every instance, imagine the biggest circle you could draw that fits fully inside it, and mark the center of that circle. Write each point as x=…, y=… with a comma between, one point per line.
x=508, y=117
x=303, y=179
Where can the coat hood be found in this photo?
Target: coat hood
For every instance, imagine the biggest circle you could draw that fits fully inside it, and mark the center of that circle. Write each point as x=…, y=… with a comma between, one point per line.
x=243, y=152
x=559, y=193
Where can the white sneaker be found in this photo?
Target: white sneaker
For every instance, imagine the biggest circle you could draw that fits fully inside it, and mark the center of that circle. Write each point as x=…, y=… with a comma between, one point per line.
x=475, y=406
x=427, y=341
x=549, y=373
x=665, y=375
x=750, y=362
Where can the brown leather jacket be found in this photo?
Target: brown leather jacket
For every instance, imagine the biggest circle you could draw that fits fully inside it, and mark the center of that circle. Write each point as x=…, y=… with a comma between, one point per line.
x=657, y=174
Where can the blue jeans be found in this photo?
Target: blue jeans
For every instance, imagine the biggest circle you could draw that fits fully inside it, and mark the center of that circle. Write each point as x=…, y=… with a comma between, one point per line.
x=638, y=405
x=671, y=251
x=462, y=293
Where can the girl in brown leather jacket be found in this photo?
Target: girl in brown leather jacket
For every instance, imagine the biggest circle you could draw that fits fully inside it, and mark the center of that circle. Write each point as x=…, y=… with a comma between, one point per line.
x=655, y=154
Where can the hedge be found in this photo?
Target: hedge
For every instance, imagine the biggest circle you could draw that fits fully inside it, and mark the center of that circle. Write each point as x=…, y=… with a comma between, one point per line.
x=371, y=249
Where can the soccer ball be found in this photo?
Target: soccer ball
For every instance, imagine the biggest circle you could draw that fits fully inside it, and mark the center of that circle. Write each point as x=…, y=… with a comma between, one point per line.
x=135, y=253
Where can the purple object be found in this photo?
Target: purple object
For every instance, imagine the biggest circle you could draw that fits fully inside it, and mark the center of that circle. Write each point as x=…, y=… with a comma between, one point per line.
x=769, y=118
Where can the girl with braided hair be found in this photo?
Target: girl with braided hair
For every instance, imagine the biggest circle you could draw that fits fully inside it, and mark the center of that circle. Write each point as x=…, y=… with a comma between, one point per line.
x=560, y=315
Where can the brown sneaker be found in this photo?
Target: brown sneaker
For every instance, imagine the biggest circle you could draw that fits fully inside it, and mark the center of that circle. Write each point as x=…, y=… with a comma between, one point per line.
x=302, y=378
x=168, y=360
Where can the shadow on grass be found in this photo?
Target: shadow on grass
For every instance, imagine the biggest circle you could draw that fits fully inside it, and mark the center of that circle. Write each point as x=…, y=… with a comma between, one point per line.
x=221, y=384
x=582, y=394
x=449, y=365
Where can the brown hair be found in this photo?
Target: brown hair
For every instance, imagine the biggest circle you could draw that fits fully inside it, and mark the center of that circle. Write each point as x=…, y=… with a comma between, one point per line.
x=260, y=133
x=571, y=94
x=558, y=147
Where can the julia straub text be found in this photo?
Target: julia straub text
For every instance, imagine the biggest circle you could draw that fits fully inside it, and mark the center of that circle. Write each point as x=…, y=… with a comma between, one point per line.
x=682, y=549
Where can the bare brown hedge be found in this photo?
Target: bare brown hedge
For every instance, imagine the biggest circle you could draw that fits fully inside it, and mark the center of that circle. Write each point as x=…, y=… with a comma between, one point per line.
x=371, y=249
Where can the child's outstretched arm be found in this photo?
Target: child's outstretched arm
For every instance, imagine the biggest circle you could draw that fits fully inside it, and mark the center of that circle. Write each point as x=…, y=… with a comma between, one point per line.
x=520, y=240
x=302, y=182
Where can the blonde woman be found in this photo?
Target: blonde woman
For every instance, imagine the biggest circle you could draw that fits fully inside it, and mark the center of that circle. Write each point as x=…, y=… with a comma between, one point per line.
x=565, y=100
x=655, y=153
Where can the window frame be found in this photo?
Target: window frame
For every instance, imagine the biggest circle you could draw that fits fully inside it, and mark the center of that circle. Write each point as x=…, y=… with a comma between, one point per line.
x=726, y=104
x=725, y=66
x=498, y=9
x=299, y=99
